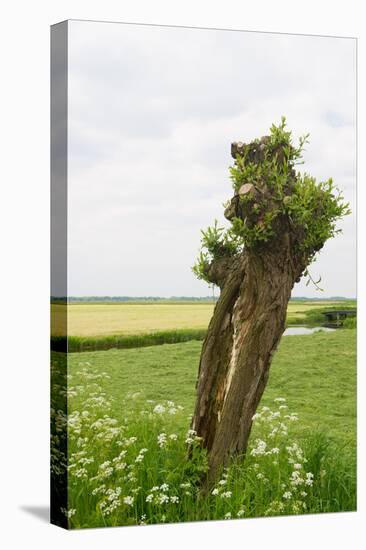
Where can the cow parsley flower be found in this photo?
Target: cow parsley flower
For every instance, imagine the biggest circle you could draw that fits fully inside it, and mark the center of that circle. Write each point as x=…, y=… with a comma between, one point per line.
x=309, y=479
x=163, y=498
x=128, y=500
x=162, y=439
x=68, y=513
x=159, y=409
x=259, y=449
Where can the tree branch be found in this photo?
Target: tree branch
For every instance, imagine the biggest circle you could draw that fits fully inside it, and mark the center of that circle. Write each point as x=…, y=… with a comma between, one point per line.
x=217, y=271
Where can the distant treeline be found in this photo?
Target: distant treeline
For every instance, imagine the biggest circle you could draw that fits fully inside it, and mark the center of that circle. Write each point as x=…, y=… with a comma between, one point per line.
x=153, y=299
x=323, y=299
x=63, y=300
x=132, y=299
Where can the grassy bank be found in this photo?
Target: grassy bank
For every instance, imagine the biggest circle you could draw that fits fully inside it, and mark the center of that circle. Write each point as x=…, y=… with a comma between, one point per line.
x=119, y=341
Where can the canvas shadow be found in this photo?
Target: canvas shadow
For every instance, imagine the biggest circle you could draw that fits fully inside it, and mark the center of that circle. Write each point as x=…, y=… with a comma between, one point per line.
x=40, y=512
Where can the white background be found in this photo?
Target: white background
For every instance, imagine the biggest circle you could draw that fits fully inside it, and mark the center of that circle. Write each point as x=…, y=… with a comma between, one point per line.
x=25, y=272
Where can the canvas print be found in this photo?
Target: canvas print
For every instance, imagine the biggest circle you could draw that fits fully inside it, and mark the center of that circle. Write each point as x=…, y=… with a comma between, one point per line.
x=203, y=308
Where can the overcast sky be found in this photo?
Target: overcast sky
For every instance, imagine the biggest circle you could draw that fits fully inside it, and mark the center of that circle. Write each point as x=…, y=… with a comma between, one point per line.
x=152, y=113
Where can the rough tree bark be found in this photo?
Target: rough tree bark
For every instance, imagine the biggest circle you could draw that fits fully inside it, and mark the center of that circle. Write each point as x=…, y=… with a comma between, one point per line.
x=244, y=332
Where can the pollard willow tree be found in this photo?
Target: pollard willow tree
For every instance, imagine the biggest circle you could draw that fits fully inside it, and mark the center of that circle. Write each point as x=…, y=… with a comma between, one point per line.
x=279, y=219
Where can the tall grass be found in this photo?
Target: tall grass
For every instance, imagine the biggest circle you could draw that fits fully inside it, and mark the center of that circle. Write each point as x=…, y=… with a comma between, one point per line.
x=135, y=470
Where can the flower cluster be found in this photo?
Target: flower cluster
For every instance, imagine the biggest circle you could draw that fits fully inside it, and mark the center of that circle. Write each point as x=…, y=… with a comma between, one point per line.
x=284, y=457
x=160, y=495
x=134, y=469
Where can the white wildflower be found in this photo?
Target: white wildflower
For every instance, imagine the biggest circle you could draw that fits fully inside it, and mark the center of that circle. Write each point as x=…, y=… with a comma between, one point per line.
x=161, y=439
x=163, y=498
x=97, y=490
x=260, y=448
x=68, y=513
x=159, y=409
x=309, y=479
x=81, y=473
x=128, y=500
x=296, y=479
x=191, y=436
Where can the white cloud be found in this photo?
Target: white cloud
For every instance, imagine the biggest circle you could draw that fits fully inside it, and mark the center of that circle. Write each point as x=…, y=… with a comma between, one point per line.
x=152, y=113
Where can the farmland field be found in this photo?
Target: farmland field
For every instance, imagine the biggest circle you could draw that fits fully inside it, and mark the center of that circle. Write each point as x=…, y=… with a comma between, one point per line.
x=103, y=319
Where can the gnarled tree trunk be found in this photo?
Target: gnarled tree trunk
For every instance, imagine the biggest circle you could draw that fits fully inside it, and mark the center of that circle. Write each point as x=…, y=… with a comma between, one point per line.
x=244, y=332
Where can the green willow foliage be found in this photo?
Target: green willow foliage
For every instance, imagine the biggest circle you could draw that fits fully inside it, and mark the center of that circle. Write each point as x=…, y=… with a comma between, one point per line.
x=310, y=209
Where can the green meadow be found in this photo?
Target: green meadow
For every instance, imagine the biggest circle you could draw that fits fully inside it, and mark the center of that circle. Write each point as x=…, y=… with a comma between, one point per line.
x=316, y=373
x=129, y=416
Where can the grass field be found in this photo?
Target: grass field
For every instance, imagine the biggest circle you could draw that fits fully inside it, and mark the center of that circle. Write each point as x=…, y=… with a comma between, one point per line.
x=316, y=373
x=127, y=436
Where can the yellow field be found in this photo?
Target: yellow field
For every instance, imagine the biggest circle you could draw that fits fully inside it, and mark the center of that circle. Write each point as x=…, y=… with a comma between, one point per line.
x=105, y=319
